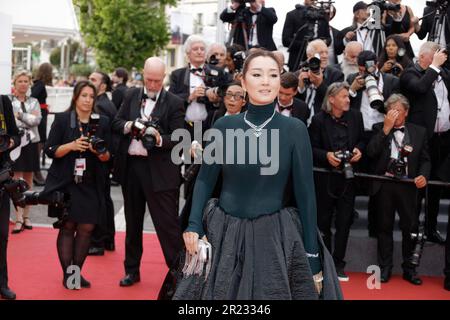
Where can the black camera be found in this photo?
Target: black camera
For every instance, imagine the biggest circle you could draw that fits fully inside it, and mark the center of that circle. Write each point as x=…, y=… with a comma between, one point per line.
x=319, y=11
x=238, y=60
x=215, y=77
x=312, y=65
x=98, y=144
x=15, y=188
x=396, y=70
x=347, y=168
x=397, y=168
x=385, y=5
x=418, y=239
x=438, y=4
x=145, y=131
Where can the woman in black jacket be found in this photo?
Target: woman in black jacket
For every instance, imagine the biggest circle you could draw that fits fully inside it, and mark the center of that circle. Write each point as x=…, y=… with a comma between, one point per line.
x=79, y=171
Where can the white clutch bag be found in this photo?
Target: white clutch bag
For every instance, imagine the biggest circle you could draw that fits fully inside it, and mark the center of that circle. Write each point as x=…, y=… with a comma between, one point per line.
x=200, y=262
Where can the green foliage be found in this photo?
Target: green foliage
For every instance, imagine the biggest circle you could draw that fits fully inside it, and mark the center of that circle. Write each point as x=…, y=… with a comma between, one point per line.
x=124, y=33
x=55, y=54
x=83, y=70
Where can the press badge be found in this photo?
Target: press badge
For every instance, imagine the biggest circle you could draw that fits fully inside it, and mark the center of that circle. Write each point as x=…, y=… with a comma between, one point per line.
x=80, y=167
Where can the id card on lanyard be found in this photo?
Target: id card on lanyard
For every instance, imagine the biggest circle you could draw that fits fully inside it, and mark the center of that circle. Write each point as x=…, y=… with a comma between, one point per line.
x=80, y=163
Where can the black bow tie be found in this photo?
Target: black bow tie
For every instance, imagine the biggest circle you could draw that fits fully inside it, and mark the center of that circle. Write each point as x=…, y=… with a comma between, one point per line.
x=145, y=97
x=282, y=108
x=194, y=70
x=402, y=129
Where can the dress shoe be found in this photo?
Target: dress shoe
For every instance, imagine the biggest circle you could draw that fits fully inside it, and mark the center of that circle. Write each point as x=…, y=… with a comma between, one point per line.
x=96, y=251
x=435, y=237
x=386, y=274
x=412, y=278
x=447, y=283
x=7, y=293
x=129, y=280
x=84, y=283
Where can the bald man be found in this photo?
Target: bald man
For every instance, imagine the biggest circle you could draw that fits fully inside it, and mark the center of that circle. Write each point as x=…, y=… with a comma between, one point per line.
x=146, y=173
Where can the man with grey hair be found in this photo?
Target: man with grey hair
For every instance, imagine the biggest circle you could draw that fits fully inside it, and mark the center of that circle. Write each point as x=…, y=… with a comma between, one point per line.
x=427, y=84
x=336, y=135
x=312, y=85
x=349, y=64
x=219, y=51
x=399, y=149
x=144, y=169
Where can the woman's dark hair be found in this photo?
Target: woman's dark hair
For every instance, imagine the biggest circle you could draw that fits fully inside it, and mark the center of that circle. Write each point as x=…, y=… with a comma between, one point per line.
x=122, y=73
x=77, y=91
x=45, y=73
x=256, y=54
x=404, y=60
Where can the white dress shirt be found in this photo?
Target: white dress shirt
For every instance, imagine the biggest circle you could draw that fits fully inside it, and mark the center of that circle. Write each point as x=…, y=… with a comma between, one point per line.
x=195, y=111
x=443, y=112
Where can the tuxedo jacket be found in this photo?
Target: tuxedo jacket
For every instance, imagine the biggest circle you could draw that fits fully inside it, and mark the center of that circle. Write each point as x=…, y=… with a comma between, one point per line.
x=330, y=75
x=379, y=150
x=299, y=110
x=391, y=84
x=264, y=26
x=417, y=85
x=321, y=130
x=170, y=113
x=427, y=24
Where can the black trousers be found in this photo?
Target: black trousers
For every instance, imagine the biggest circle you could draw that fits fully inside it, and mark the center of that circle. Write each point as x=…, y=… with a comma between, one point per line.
x=439, y=146
x=401, y=198
x=447, y=247
x=4, y=228
x=105, y=231
x=335, y=194
x=163, y=207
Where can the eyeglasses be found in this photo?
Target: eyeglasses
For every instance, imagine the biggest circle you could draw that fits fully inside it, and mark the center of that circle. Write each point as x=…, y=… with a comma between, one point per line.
x=236, y=96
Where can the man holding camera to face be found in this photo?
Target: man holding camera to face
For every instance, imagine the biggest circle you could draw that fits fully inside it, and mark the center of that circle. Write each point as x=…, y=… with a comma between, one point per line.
x=251, y=26
x=315, y=75
x=144, y=168
x=426, y=84
x=336, y=135
x=400, y=151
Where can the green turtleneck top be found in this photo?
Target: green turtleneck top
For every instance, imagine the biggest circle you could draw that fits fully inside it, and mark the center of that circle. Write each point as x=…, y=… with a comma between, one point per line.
x=246, y=193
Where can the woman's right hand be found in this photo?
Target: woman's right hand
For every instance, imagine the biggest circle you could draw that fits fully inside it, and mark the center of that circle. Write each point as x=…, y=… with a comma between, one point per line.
x=191, y=242
x=81, y=144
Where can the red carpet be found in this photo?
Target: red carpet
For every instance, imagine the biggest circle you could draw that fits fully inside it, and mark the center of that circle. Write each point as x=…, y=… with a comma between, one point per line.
x=35, y=273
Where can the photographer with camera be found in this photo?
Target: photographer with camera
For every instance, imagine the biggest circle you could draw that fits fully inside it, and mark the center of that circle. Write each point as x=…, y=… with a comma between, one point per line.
x=315, y=75
x=250, y=26
x=104, y=232
x=393, y=59
x=144, y=168
x=9, y=138
x=336, y=135
x=78, y=144
x=426, y=84
x=399, y=150
x=435, y=22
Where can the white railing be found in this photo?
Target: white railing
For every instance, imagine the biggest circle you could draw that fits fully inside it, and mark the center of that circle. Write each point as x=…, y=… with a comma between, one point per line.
x=58, y=98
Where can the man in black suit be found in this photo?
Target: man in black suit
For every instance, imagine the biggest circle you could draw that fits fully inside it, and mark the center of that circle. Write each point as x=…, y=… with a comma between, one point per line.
x=119, y=79
x=335, y=130
x=426, y=84
x=362, y=101
x=7, y=122
x=396, y=142
x=258, y=24
x=287, y=104
x=425, y=28
x=313, y=86
x=371, y=39
x=103, y=235
x=147, y=174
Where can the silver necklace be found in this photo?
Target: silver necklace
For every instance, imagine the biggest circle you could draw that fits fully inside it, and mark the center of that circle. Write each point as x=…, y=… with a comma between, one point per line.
x=258, y=129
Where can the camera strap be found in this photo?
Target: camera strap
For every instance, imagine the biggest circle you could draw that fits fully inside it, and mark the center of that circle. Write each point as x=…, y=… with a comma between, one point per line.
x=80, y=162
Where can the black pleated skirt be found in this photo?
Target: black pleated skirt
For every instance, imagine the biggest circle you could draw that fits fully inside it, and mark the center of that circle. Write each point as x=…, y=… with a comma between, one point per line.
x=257, y=259
x=28, y=160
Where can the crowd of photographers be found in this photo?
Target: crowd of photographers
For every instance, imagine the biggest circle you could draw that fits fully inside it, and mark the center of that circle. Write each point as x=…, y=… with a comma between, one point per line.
x=378, y=120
